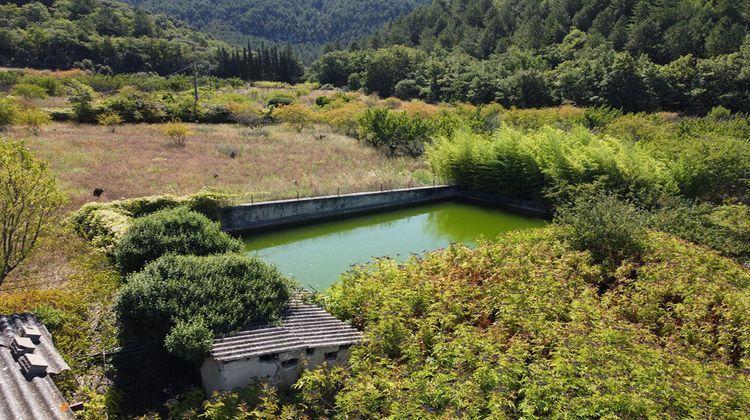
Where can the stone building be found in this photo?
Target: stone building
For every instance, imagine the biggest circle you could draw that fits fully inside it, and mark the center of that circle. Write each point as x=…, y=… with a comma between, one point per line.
x=306, y=337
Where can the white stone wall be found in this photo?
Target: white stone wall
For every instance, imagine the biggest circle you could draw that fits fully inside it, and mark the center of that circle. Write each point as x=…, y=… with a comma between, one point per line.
x=282, y=372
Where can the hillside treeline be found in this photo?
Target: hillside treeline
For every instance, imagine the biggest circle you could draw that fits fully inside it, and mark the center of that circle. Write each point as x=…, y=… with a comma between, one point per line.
x=632, y=55
x=663, y=30
x=103, y=36
x=307, y=25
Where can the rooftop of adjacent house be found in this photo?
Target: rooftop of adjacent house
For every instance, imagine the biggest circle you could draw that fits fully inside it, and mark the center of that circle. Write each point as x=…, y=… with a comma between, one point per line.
x=27, y=358
x=302, y=326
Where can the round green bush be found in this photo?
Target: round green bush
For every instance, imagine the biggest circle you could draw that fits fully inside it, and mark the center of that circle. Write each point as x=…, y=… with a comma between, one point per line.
x=182, y=301
x=280, y=101
x=176, y=231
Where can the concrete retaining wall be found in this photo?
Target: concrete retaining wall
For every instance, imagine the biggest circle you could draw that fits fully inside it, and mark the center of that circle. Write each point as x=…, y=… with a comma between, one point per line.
x=285, y=212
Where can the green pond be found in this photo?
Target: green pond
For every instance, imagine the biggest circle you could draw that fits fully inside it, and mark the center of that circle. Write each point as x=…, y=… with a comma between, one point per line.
x=316, y=254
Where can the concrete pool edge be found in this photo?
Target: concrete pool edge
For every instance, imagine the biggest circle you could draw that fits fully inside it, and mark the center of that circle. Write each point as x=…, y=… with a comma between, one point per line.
x=273, y=214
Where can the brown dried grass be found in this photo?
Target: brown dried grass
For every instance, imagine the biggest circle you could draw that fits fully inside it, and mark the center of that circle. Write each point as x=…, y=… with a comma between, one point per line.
x=138, y=160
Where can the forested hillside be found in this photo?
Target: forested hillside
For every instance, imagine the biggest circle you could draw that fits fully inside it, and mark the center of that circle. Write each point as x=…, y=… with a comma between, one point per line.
x=307, y=24
x=98, y=35
x=664, y=30
x=634, y=55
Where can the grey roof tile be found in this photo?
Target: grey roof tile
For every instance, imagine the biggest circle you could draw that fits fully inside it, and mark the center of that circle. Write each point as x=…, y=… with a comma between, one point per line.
x=29, y=396
x=302, y=326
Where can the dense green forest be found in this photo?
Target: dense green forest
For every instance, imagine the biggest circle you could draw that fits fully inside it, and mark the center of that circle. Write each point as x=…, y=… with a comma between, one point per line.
x=644, y=55
x=105, y=36
x=664, y=30
x=306, y=24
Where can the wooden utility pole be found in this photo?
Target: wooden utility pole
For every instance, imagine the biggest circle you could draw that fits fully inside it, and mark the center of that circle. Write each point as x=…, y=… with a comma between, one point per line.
x=195, y=92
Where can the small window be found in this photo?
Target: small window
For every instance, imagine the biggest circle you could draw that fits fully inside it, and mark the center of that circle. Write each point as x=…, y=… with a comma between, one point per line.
x=331, y=356
x=289, y=363
x=269, y=357
x=310, y=352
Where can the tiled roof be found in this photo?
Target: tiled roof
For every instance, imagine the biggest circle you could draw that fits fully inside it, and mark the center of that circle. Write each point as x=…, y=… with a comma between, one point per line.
x=27, y=358
x=302, y=326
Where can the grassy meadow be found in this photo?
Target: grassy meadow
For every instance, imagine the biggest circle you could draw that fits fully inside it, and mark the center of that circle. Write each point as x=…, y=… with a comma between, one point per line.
x=138, y=160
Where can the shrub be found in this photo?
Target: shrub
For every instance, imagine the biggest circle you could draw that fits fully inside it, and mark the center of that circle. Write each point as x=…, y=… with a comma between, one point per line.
x=345, y=118
x=178, y=231
x=280, y=100
x=395, y=131
x=322, y=101
x=104, y=224
x=598, y=117
x=296, y=116
x=61, y=114
x=29, y=91
x=33, y=120
x=249, y=117
x=187, y=300
x=719, y=113
x=136, y=106
x=81, y=98
x=29, y=199
x=725, y=228
x=8, y=112
x=612, y=230
x=177, y=132
x=189, y=340
x=110, y=120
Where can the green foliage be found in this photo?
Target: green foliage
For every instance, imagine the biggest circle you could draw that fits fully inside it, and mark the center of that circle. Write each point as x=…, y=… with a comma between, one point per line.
x=52, y=318
x=29, y=200
x=33, y=120
x=719, y=113
x=613, y=231
x=525, y=54
x=296, y=116
x=187, y=299
x=397, y=132
x=110, y=120
x=29, y=91
x=518, y=327
x=105, y=223
x=136, y=106
x=309, y=27
x=8, y=112
x=177, y=132
x=189, y=340
x=102, y=37
x=322, y=101
x=81, y=98
x=723, y=228
x=280, y=100
x=178, y=230
x=548, y=162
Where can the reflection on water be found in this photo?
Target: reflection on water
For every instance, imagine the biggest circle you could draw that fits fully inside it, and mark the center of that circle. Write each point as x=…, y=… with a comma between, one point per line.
x=316, y=254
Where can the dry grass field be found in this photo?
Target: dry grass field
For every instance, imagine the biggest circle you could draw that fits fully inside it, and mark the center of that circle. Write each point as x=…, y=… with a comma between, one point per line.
x=138, y=160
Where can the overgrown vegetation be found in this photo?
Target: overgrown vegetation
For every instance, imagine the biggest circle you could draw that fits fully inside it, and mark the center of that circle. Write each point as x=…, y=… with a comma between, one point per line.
x=182, y=302
x=29, y=200
x=520, y=327
x=178, y=230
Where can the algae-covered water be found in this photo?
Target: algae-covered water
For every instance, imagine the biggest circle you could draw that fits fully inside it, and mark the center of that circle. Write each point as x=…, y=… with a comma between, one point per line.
x=316, y=254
